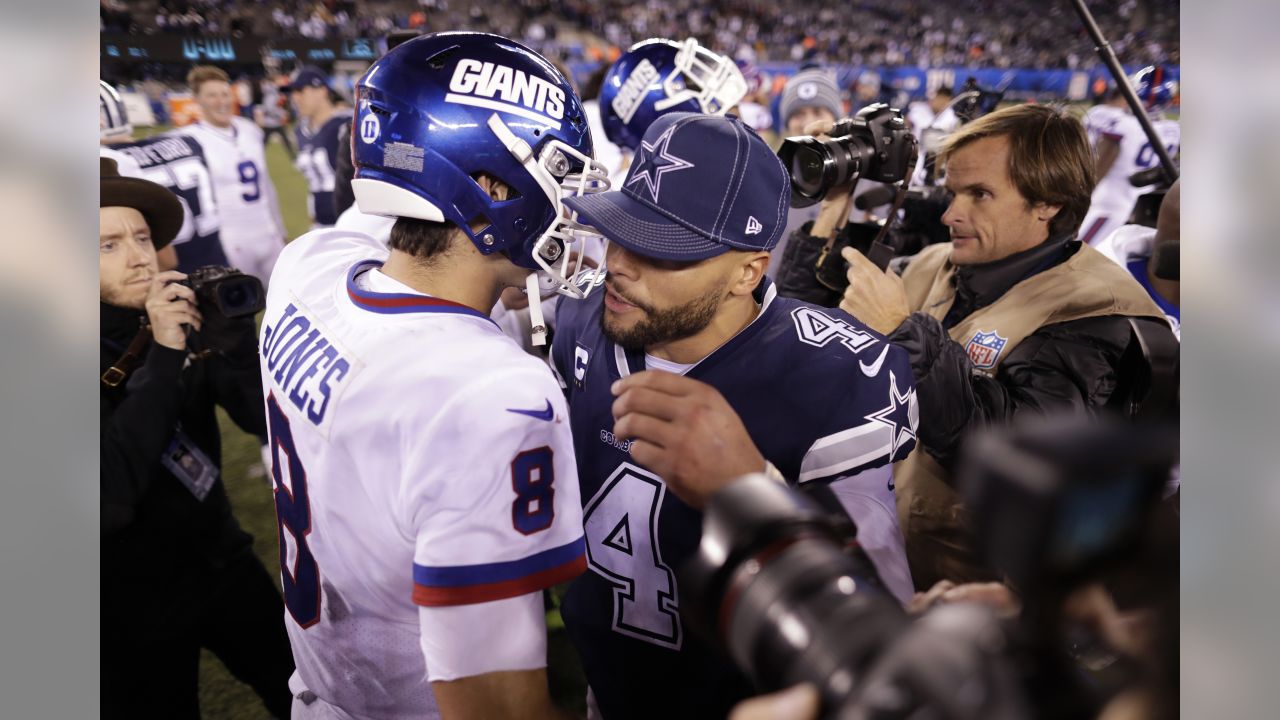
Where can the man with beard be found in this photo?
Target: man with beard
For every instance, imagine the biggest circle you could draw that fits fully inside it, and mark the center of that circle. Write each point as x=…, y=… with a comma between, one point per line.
x=688, y=371
x=178, y=573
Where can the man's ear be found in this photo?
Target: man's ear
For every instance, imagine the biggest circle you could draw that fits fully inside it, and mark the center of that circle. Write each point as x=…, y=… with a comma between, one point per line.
x=751, y=270
x=496, y=189
x=1044, y=212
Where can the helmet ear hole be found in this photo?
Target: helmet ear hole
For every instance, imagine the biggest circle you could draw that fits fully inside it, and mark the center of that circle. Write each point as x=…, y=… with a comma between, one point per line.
x=498, y=191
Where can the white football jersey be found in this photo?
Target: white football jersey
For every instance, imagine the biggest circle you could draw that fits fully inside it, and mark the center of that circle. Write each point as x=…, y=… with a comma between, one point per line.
x=1114, y=198
x=125, y=165
x=1101, y=120
x=422, y=462
x=128, y=167
x=252, y=231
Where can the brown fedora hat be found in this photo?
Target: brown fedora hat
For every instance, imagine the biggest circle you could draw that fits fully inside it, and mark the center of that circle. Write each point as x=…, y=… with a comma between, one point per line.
x=161, y=208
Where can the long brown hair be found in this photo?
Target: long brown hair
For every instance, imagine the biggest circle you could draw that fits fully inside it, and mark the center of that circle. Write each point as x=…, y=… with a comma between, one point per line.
x=1050, y=160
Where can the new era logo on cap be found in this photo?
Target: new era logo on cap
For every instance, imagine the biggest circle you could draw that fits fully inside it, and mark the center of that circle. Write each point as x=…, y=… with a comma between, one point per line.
x=701, y=185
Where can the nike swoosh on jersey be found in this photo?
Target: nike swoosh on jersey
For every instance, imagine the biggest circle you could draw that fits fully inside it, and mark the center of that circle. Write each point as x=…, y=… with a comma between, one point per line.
x=547, y=414
x=874, y=368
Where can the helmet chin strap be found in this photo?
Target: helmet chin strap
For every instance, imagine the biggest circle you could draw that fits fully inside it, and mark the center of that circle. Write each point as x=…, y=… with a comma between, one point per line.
x=536, y=320
x=521, y=151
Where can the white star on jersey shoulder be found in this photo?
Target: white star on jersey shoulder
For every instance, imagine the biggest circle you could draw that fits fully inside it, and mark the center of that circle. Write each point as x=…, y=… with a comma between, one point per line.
x=891, y=415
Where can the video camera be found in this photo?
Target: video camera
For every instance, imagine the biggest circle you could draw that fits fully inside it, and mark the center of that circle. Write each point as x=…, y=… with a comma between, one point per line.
x=228, y=300
x=226, y=291
x=782, y=585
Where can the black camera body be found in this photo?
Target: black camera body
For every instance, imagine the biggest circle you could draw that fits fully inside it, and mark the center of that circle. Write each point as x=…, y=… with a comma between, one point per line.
x=226, y=291
x=875, y=145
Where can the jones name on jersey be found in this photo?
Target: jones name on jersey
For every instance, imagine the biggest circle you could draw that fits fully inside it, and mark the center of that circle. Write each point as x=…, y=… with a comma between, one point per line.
x=423, y=472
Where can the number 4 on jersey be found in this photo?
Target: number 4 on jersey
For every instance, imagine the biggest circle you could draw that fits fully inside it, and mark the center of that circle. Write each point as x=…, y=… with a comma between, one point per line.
x=621, y=524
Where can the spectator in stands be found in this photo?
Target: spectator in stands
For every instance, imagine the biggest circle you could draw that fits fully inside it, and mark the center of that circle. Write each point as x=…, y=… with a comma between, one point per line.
x=871, y=33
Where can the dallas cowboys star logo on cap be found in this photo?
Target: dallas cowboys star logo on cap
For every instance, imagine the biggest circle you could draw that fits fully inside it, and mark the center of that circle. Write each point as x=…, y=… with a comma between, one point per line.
x=654, y=161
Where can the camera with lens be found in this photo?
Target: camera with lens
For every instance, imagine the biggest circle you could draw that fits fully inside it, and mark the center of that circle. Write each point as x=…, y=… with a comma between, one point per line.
x=782, y=585
x=875, y=144
x=226, y=291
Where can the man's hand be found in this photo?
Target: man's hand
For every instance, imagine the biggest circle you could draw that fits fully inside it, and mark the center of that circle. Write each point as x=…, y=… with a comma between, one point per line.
x=998, y=596
x=796, y=703
x=877, y=298
x=169, y=307
x=833, y=214
x=684, y=431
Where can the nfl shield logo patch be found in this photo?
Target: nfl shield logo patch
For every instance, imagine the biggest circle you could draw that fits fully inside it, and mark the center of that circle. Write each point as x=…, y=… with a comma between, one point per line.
x=985, y=348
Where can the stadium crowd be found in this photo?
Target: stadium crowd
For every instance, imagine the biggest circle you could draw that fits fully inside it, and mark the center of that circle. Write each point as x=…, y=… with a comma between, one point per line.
x=973, y=33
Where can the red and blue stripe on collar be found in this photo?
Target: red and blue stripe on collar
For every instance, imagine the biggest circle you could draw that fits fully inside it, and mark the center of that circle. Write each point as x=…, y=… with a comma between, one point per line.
x=396, y=303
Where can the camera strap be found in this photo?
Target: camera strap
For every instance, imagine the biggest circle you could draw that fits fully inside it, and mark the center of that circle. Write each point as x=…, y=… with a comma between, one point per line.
x=121, y=368
x=880, y=251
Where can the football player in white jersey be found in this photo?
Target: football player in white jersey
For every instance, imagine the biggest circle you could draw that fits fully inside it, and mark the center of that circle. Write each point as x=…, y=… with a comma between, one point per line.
x=252, y=230
x=1102, y=118
x=424, y=470
x=115, y=129
x=1124, y=151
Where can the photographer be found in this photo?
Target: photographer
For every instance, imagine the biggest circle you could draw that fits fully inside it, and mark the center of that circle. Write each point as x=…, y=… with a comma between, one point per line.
x=178, y=573
x=1013, y=317
x=810, y=96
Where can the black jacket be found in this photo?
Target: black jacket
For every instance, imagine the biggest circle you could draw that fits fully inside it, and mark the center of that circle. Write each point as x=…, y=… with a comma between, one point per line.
x=152, y=525
x=1070, y=366
x=343, y=196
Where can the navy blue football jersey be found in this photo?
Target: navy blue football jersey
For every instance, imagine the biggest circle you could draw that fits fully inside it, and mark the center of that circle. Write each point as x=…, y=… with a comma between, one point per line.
x=823, y=398
x=318, y=162
x=177, y=162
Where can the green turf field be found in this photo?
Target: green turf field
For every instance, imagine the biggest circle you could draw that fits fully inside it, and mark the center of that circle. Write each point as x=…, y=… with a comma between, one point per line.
x=222, y=696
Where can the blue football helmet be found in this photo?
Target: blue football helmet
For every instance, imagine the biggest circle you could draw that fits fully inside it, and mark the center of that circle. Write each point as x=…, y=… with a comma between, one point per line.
x=658, y=76
x=1155, y=92
x=113, y=120
x=439, y=110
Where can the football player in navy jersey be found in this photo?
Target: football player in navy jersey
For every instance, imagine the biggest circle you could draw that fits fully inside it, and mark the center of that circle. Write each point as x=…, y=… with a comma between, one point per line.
x=319, y=123
x=687, y=367
x=177, y=162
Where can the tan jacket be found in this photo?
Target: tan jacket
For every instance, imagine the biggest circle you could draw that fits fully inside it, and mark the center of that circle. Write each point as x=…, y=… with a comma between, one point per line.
x=1086, y=285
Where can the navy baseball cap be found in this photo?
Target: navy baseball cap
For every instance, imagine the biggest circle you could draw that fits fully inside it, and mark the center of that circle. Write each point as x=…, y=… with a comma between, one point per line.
x=309, y=76
x=699, y=186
